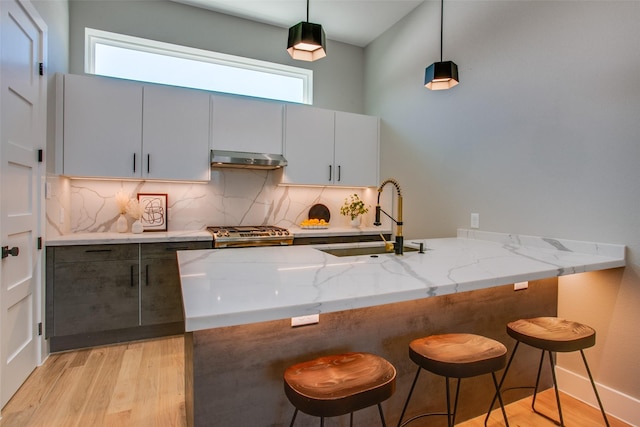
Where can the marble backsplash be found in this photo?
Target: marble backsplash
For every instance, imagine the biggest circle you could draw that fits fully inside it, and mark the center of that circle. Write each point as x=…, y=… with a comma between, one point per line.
x=232, y=197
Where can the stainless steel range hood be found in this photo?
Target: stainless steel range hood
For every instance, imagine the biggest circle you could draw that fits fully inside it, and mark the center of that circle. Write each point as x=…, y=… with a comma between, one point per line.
x=238, y=159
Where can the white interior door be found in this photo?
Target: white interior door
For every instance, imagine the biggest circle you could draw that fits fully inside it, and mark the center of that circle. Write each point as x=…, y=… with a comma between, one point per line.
x=22, y=133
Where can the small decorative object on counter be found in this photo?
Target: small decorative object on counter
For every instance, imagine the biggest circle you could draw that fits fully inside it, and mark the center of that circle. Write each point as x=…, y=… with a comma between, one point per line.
x=136, y=210
x=314, y=223
x=122, y=200
x=154, y=211
x=354, y=207
x=319, y=217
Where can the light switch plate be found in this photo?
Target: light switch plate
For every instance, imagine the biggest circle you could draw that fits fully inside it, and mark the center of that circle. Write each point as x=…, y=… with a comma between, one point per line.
x=475, y=220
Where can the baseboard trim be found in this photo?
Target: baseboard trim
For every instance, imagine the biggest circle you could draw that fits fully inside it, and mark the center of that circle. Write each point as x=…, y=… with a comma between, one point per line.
x=617, y=404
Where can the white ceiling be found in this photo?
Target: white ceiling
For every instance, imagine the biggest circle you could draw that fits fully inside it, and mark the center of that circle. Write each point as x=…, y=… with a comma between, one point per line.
x=356, y=22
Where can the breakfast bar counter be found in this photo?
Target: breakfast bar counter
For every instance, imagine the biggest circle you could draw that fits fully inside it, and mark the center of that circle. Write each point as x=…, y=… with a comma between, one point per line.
x=238, y=305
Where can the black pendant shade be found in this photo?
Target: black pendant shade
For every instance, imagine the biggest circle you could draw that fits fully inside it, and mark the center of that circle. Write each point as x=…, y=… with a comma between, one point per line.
x=444, y=74
x=307, y=42
x=441, y=75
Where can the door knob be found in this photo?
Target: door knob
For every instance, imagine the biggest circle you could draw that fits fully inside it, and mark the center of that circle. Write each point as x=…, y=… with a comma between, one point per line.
x=13, y=251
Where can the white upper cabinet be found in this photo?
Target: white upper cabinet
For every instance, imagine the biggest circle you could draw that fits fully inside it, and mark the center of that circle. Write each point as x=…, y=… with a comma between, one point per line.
x=357, y=149
x=309, y=145
x=246, y=124
x=122, y=129
x=325, y=147
x=102, y=127
x=175, y=134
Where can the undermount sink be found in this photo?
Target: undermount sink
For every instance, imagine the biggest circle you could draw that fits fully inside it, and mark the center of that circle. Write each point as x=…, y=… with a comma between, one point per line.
x=363, y=250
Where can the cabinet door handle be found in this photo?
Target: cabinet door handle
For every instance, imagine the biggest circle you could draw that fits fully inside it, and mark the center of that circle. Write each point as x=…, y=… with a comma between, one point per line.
x=146, y=275
x=134, y=162
x=148, y=163
x=339, y=173
x=330, y=173
x=177, y=248
x=131, y=279
x=97, y=250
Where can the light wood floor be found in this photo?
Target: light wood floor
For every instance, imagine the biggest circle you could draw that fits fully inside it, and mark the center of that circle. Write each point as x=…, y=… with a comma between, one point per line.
x=142, y=384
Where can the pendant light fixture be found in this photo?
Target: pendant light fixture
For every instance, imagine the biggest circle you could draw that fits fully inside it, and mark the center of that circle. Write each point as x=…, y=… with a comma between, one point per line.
x=441, y=75
x=307, y=40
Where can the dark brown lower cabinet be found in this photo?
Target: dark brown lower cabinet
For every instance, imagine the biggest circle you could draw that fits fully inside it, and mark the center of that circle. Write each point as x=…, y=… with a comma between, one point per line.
x=160, y=295
x=104, y=294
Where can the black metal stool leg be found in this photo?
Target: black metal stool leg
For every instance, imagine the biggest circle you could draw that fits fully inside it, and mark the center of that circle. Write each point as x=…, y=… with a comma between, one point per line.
x=535, y=389
x=351, y=419
x=504, y=376
x=293, y=420
x=321, y=421
x=452, y=417
x=384, y=424
x=593, y=384
x=504, y=412
x=406, y=404
x=555, y=387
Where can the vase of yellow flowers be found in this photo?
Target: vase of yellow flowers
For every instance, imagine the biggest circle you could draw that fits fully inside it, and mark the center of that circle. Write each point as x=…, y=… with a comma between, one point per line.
x=353, y=207
x=122, y=201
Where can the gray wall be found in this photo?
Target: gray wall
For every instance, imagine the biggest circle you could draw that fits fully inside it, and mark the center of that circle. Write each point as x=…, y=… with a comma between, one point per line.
x=337, y=78
x=541, y=137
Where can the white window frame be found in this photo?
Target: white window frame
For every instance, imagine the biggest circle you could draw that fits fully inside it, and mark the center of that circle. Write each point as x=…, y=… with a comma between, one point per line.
x=93, y=37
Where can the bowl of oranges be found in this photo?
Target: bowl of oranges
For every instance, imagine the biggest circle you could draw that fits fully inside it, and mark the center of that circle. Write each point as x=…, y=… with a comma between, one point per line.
x=312, y=223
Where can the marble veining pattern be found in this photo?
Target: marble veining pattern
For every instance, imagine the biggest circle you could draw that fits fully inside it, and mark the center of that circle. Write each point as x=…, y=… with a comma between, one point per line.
x=230, y=287
x=232, y=197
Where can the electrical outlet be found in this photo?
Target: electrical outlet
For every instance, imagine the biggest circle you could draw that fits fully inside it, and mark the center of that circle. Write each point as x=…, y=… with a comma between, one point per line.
x=475, y=220
x=305, y=320
x=520, y=286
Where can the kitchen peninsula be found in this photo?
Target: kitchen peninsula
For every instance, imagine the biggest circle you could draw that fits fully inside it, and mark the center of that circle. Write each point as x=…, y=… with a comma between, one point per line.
x=238, y=304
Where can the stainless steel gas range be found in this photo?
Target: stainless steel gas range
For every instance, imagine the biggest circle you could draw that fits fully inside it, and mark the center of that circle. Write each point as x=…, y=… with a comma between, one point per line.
x=247, y=236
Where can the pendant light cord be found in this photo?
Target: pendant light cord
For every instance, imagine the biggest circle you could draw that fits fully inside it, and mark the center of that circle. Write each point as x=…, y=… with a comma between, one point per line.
x=307, y=10
x=441, y=23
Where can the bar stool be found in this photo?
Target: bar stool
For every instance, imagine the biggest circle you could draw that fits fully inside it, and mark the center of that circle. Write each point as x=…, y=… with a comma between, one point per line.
x=551, y=334
x=339, y=384
x=456, y=356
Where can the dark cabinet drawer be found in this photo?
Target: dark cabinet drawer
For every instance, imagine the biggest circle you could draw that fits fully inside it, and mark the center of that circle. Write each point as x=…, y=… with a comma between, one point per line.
x=95, y=253
x=168, y=250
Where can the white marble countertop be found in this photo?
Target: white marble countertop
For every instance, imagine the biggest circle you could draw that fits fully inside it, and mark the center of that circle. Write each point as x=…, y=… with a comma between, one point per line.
x=194, y=235
x=114, y=238
x=338, y=231
x=224, y=287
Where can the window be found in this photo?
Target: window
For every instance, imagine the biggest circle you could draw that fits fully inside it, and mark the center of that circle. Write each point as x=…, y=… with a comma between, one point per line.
x=133, y=58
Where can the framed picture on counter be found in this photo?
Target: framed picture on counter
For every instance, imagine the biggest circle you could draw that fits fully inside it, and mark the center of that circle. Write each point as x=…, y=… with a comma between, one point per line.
x=154, y=211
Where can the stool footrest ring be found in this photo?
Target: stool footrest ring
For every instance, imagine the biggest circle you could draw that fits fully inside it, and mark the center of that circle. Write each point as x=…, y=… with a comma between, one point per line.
x=431, y=414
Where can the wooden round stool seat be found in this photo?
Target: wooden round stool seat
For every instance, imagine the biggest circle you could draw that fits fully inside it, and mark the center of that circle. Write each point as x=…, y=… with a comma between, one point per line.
x=455, y=356
x=458, y=355
x=339, y=384
x=552, y=334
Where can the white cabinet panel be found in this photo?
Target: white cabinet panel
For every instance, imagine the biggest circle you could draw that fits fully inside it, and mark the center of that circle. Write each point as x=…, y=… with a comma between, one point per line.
x=175, y=142
x=122, y=129
x=246, y=124
x=324, y=147
x=102, y=127
x=309, y=145
x=356, y=149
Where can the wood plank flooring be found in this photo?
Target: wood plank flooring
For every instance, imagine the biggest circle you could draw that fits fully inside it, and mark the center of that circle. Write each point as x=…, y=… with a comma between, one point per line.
x=142, y=384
